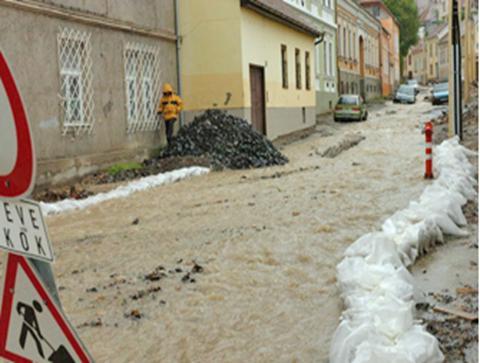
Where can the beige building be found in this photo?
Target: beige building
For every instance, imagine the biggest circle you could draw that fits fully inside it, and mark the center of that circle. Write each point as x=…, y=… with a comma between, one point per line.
x=390, y=44
x=252, y=58
x=358, y=50
x=90, y=75
x=415, y=66
x=434, y=51
x=442, y=55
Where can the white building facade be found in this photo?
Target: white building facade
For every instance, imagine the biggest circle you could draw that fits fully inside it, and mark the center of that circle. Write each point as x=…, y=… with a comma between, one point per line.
x=324, y=14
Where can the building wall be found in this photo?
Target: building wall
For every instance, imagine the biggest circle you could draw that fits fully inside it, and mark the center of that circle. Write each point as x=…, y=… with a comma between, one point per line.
x=262, y=39
x=442, y=53
x=431, y=58
x=210, y=55
x=216, y=53
x=61, y=155
x=387, y=85
x=389, y=23
x=354, y=24
x=323, y=13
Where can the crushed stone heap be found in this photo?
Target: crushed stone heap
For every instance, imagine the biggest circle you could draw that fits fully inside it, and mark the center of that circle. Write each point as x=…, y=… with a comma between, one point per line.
x=227, y=141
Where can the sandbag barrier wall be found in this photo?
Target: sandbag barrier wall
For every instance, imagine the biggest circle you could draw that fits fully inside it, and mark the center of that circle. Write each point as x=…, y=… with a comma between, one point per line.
x=378, y=324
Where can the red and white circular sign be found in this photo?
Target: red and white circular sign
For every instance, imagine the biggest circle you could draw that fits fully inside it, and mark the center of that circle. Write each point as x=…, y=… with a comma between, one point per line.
x=17, y=158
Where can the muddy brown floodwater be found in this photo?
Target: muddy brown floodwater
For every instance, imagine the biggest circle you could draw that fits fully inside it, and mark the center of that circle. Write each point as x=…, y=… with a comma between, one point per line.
x=267, y=242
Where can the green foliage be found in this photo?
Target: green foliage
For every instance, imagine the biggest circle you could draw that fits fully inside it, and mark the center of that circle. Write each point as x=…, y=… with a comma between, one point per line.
x=406, y=12
x=117, y=168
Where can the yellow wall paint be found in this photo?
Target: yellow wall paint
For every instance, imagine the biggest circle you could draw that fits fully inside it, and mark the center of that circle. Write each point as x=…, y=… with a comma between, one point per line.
x=219, y=41
x=210, y=53
x=261, y=45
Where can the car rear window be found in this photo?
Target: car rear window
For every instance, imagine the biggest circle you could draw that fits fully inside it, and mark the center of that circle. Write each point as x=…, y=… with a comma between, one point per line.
x=440, y=87
x=407, y=90
x=348, y=100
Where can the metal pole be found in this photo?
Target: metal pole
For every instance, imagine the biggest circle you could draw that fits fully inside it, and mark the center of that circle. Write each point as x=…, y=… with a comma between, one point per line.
x=455, y=74
x=45, y=273
x=179, y=69
x=468, y=53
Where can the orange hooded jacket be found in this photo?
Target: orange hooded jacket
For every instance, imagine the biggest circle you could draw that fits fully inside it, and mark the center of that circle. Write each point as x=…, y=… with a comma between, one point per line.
x=170, y=103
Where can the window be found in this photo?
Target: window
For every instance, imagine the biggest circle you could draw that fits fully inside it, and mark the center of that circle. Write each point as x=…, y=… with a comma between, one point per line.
x=325, y=58
x=284, y=67
x=76, y=92
x=339, y=40
x=330, y=60
x=307, y=70
x=344, y=42
x=349, y=44
x=298, y=69
x=142, y=86
x=354, y=41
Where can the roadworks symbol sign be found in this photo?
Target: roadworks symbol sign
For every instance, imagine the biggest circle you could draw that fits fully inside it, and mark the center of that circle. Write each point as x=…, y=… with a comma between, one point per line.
x=32, y=327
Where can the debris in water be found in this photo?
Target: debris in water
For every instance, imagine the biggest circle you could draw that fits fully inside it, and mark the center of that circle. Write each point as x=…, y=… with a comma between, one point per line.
x=197, y=268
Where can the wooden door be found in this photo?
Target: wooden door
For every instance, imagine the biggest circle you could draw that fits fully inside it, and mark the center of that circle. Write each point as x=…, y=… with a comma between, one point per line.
x=257, y=94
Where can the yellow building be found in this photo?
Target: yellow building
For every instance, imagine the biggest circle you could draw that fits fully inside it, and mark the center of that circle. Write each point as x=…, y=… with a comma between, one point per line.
x=252, y=58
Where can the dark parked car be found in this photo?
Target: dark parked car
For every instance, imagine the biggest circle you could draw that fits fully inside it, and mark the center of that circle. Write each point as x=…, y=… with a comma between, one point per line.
x=350, y=107
x=405, y=94
x=440, y=93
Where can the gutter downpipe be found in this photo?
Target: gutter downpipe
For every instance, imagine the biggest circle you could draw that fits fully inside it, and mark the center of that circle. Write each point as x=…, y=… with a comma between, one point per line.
x=177, y=49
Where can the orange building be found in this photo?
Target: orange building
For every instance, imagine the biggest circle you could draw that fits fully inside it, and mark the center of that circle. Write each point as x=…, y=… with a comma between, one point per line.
x=391, y=68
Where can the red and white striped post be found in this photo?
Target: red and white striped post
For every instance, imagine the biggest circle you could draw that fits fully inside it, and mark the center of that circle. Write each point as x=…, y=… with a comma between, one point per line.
x=428, y=150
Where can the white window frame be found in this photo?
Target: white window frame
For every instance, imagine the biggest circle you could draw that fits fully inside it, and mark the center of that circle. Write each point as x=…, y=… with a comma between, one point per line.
x=75, y=62
x=142, y=69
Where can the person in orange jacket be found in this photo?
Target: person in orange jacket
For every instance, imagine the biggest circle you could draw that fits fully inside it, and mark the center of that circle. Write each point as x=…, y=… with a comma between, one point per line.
x=170, y=106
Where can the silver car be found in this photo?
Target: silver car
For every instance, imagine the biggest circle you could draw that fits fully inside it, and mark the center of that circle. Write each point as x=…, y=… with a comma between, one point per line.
x=405, y=94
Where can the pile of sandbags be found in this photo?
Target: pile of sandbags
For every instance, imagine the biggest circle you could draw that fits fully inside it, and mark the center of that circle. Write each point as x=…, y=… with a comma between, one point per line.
x=227, y=141
x=378, y=324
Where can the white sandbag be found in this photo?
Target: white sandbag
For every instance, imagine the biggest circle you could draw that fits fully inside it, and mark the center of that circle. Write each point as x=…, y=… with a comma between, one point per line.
x=377, y=289
x=376, y=248
x=420, y=346
x=355, y=275
x=416, y=346
x=346, y=339
x=441, y=213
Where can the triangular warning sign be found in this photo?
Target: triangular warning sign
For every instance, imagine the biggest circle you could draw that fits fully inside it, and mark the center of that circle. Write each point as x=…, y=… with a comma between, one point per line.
x=32, y=327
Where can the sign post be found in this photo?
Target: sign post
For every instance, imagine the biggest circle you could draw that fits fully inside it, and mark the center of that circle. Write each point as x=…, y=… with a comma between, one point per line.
x=18, y=181
x=33, y=327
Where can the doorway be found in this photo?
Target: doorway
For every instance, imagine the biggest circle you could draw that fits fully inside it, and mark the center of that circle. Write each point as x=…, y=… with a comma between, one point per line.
x=257, y=95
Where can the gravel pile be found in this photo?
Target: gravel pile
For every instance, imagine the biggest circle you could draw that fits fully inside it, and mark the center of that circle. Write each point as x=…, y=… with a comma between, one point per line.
x=227, y=141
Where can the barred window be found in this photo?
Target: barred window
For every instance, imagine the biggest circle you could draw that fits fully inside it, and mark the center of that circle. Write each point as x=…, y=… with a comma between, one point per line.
x=142, y=82
x=76, y=92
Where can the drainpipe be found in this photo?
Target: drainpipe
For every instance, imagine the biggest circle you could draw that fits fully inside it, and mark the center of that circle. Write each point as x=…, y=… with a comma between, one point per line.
x=177, y=49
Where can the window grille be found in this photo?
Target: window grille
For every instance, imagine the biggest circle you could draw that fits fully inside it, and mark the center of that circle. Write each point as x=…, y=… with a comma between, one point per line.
x=76, y=91
x=142, y=84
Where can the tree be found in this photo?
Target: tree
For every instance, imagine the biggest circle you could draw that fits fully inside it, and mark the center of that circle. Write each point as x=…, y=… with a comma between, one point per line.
x=406, y=12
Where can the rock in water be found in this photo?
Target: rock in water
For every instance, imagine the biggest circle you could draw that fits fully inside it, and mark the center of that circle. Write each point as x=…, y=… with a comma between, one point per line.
x=227, y=141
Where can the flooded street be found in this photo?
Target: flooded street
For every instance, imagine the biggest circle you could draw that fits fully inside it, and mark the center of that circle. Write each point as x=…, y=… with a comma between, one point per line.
x=265, y=244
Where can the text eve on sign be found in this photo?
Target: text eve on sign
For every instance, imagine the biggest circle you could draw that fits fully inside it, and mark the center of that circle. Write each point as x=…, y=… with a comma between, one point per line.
x=22, y=229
